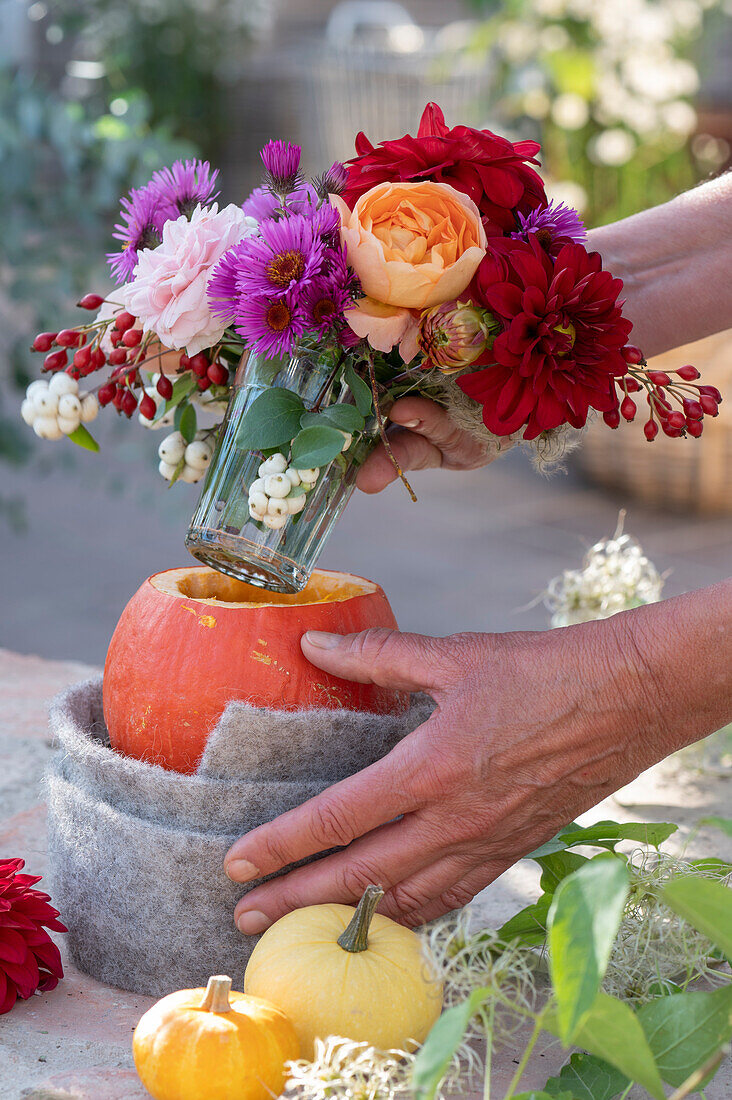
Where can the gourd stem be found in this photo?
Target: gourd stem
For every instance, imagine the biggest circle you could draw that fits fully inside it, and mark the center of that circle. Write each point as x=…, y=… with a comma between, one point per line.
x=216, y=998
x=355, y=937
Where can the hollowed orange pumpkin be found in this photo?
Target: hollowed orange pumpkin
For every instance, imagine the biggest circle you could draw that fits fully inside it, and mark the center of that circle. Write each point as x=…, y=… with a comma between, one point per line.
x=191, y=640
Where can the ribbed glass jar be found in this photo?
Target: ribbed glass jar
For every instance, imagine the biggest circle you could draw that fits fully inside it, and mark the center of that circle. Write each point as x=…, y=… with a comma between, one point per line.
x=222, y=534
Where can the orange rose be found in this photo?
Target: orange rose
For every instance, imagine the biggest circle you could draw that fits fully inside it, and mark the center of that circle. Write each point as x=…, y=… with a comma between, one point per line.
x=412, y=245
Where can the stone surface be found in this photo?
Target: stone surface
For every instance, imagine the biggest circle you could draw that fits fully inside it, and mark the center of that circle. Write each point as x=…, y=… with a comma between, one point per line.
x=74, y=1043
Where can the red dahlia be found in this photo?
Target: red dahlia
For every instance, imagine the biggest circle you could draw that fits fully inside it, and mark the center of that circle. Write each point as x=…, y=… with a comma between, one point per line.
x=490, y=169
x=560, y=348
x=29, y=959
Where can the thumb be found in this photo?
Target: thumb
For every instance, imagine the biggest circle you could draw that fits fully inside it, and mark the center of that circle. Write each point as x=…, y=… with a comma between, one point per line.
x=388, y=658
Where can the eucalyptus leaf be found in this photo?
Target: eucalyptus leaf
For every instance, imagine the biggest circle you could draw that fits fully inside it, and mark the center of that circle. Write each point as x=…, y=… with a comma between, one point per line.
x=587, y=1078
x=685, y=1030
x=583, y=922
x=438, y=1049
x=313, y=447
x=612, y=1031
x=705, y=904
x=82, y=437
x=345, y=417
x=272, y=420
x=361, y=390
x=186, y=422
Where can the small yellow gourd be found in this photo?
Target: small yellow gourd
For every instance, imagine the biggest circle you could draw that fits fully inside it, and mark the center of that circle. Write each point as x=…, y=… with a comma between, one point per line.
x=358, y=974
x=213, y=1043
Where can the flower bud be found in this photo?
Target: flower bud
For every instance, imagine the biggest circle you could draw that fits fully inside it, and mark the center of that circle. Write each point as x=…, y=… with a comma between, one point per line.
x=454, y=335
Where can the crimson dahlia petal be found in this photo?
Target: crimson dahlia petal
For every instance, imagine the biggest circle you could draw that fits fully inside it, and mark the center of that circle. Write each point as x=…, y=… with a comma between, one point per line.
x=29, y=959
x=494, y=172
x=559, y=351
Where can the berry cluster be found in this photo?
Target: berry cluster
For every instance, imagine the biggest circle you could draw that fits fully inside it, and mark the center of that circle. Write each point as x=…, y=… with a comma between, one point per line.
x=206, y=372
x=184, y=461
x=279, y=491
x=56, y=408
x=661, y=390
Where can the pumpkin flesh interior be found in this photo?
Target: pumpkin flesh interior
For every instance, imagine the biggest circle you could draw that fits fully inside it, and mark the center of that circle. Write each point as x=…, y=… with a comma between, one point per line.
x=207, y=586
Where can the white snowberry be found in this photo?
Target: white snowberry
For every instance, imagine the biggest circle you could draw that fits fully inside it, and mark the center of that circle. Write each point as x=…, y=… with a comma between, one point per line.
x=258, y=503
x=46, y=403
x=277, y=485
x=275, y=522
x=296, y=504
x=47, y=427
x=293, y=475
x=309, y=477
x=166, y=469
x=276, y=506
x=38, y=386
x=257, y=486
x=190, y=474
x=172, y=448
x=89, y=407
x=62, y=383
x=28, y=411
x=275, y=464
x=68, y=424
x=198, y=455
x=69, y=407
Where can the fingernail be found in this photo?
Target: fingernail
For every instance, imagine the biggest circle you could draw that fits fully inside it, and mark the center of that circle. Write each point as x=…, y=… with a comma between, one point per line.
x=411, y=423
x=253, y=923
x=241, y=870
x=321, y=639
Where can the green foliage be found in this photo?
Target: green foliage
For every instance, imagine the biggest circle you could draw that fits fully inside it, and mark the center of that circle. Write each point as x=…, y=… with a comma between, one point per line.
x=583, y=922
x=723, y=823
x=186, y=422
x=586, y=1077
x=182, y=388
x=441, y=1045
x=606, y=834
x=345, y=417
x=316, y=447
x=83, y=438
x=272, y=420
x=705, y=904
x=685, y=1030
x=361, y=391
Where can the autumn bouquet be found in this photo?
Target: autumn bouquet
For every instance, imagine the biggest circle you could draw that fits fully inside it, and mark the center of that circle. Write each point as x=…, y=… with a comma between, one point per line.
x=430, y=264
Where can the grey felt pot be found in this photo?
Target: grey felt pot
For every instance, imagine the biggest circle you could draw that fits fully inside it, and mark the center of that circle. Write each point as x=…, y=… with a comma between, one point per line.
x=136, y=852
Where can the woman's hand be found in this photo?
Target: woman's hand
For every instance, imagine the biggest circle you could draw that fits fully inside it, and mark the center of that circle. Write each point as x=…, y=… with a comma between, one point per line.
x=425, y=437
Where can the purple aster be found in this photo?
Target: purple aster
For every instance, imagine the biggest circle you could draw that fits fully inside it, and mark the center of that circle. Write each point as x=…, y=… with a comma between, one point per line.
x=281, y=160
x=186, y=184
x=333, y=181
x=270, y=325
x=143, y=216
x=330, y=294
x=223, y=288
x=286, y=256
x=264, y=203
x=553, y=225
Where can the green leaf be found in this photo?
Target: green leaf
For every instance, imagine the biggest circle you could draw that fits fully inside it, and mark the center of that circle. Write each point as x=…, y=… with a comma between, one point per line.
x=361, y=390
x=529, y=926
x=611, y=1031
x=685, y=1030
x=83, y=438
x=345, y=417
x=558, y=866
x=533, y=1095
x=182, y=387
x=314, y=447
x=705, y=904
x=272, y=419
x=186, y=422
x=587, y=1078
x=439, y=1047
x=723, y=823
x=606, y=834
x=583, y=922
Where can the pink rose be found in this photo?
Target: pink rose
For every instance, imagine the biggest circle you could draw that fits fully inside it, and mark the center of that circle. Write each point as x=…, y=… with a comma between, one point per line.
x=168, y=292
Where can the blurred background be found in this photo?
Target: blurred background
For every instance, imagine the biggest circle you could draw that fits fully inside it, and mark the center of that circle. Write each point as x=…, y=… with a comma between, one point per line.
x=632, y=101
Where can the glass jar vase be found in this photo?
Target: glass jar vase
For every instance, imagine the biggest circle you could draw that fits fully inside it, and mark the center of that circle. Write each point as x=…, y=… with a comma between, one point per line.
x=222, y=532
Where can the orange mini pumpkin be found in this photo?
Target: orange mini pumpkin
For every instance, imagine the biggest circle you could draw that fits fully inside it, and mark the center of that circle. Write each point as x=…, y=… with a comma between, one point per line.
x=191, y=640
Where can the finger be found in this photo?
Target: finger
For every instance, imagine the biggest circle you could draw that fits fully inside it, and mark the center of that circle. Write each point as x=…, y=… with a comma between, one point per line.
x=427, y=419
x=388, y=658
x=342, y=813
x=433, y=893
x=412, y=452
x=385, y=857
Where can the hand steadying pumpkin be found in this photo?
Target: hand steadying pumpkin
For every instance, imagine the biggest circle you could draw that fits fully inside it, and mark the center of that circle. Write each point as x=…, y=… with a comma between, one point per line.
x=530, y=730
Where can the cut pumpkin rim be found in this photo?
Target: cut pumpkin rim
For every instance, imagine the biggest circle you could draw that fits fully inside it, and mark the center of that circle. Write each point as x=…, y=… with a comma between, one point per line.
x=203, y=585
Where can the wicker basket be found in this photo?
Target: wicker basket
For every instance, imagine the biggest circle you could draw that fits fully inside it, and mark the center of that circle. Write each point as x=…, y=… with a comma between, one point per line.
x=677, y=474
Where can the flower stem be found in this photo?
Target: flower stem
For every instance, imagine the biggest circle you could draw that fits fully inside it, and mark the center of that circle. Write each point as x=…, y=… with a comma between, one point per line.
x=525, y=1058
x=488, y=1054
x=382, y=428
x=355, y=937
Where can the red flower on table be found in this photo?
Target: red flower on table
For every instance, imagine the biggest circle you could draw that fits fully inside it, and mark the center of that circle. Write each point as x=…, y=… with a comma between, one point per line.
x=560, y=348
x=493, y=171
x=29, y=959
